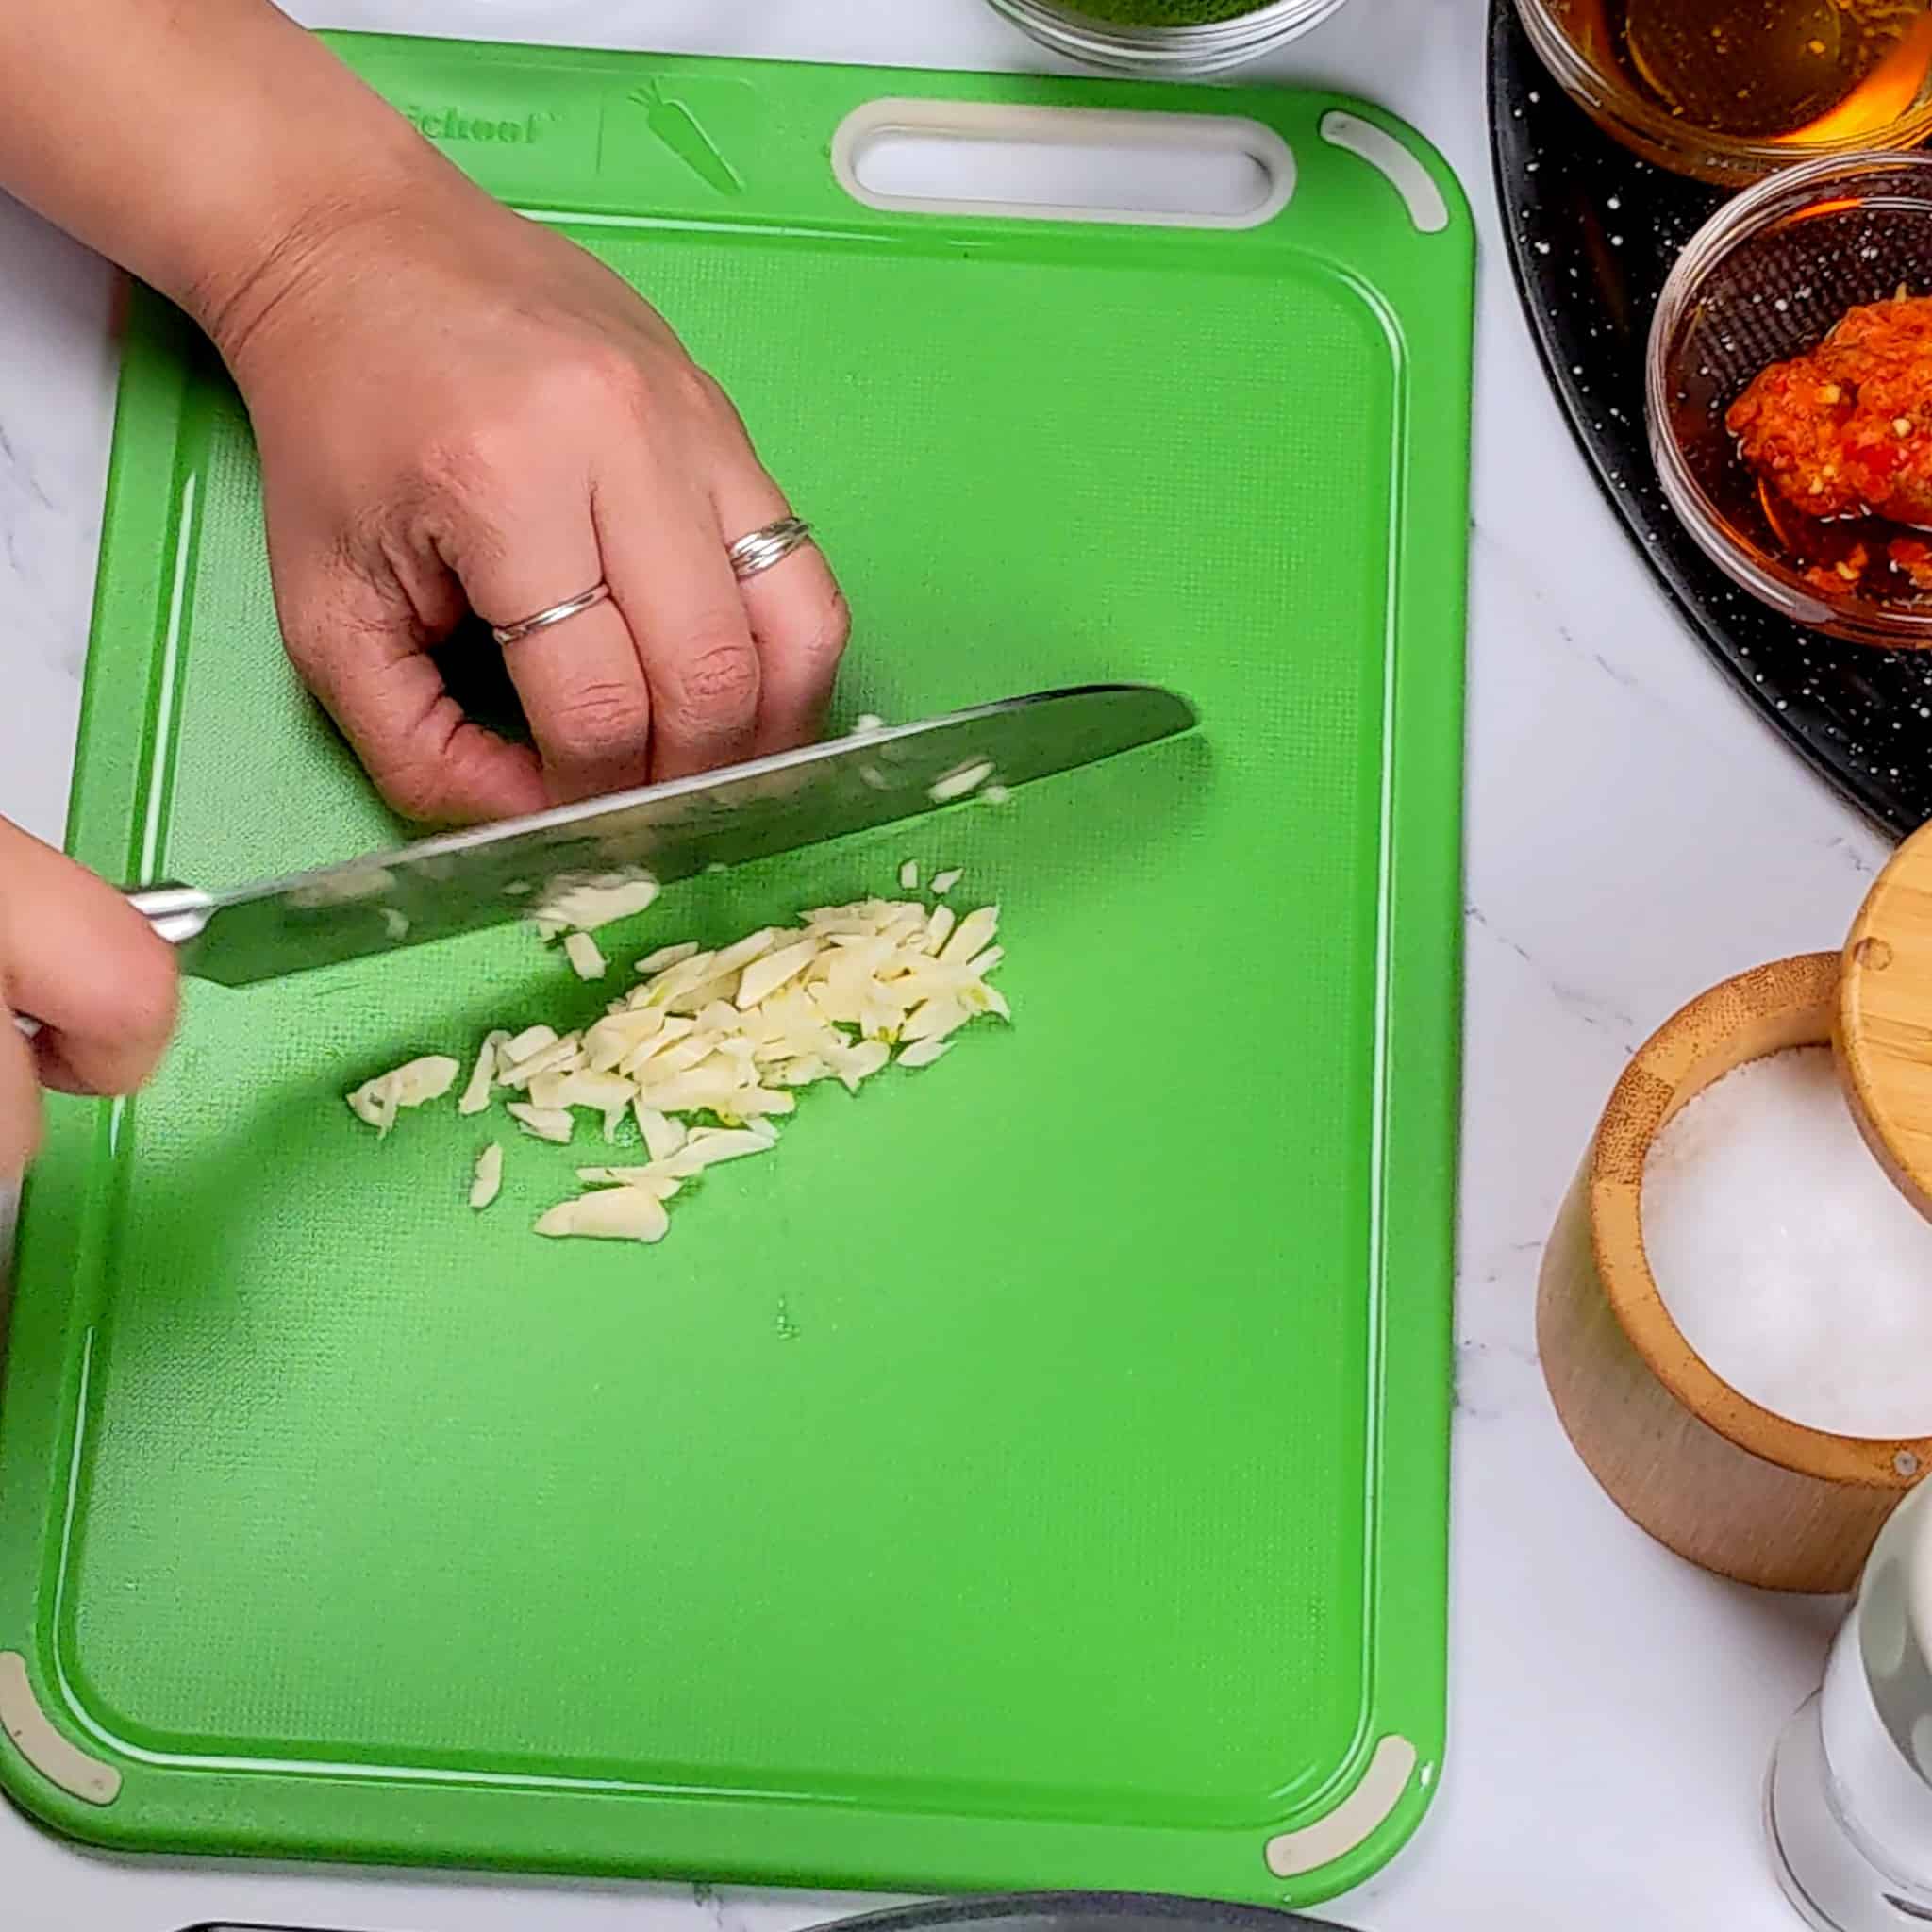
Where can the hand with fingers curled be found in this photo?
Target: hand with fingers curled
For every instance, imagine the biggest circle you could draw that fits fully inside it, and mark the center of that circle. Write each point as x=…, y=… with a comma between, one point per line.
x=79, y=960
x=480, y=417
x=458, y=409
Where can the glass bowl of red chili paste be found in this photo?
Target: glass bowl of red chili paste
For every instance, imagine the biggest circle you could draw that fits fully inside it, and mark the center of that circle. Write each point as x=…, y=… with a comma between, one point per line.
x=1789, y=394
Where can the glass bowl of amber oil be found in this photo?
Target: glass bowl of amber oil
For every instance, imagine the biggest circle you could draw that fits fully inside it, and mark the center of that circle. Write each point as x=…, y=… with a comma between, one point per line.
x=1167, y=36
x=1788, y=391
x=1729, y=90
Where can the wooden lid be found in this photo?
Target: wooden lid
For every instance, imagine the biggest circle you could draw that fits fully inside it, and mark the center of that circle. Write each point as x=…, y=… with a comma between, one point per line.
x=1883, y=1033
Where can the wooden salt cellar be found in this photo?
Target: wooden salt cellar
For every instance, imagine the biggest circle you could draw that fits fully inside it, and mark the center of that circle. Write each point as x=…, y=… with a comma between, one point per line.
x=1733, y=1486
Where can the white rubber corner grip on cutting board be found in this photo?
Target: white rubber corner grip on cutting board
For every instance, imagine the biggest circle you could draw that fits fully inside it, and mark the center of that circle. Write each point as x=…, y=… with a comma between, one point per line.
x=60, y=1763
x=1390, y=158
x=1063, y=164
x=1363, y=1813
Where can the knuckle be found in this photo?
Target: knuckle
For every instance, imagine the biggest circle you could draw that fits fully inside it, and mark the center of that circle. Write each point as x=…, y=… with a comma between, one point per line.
x=567, y=394
x=696, y=391
x=824, y=643
x=490, y=450
x=600, y=717
x=670, y=397
x=415, y=791
x=585, y=383
x=468, y=457
x=715, y=401
x=811, y=639
x=717, y=683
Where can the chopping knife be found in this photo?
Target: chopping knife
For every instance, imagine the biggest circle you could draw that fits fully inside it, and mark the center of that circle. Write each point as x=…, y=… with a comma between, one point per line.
x=464, y=882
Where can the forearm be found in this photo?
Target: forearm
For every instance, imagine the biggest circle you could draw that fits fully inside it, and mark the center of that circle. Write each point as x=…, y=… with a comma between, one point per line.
x=210, y=146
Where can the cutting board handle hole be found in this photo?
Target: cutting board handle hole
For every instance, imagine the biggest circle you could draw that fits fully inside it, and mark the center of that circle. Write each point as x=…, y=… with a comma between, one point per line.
x=1079, y=164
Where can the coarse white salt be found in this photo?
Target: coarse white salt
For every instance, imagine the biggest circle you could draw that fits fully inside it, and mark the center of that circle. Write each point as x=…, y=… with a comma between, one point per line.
x=1789, y=1260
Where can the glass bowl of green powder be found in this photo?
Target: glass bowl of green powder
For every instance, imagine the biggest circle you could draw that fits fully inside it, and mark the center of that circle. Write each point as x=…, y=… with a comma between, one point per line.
x=1166, y=35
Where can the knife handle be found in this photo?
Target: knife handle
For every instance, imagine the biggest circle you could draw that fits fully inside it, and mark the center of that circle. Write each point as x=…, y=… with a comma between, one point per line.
x=178, y=914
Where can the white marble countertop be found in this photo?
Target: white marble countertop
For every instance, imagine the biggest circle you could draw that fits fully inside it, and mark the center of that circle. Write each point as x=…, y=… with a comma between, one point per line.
x=1635, y=833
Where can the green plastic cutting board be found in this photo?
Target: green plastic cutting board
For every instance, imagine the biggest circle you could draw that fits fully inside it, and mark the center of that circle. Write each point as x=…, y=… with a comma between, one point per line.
x=1035, y=1473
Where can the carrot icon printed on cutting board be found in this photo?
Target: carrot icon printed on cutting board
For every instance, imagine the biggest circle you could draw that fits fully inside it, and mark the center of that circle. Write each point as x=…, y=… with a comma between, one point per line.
x=677, y=127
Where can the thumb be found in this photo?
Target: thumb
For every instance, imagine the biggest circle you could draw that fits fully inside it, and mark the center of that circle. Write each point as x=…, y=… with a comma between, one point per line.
x=80, y=959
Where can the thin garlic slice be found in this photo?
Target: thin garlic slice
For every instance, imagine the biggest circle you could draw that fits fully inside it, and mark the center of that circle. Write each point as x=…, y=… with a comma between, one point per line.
x=476, y=1095
x=764, y=976
x=520, y=1046
x=652, y=1179
x=585, y=955
x=694, y=1092
x=611, y=1214
x=662, y=1135
x=981, y=998
x=754, y=946
x=583, y=904
x=935, y=1020
x=975, y=930
x=488, y=1182
x=544, y=1123
x=414, y=1084
x=676, y=981
x=618, y=1035
x=943, y=882
x=708, y=1146
x=599, y=1091
x=665, y=958
x=546, y=1060
x=752, y=1104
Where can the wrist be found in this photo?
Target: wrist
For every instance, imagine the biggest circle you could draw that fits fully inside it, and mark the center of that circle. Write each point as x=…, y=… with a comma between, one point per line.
x=307, y=245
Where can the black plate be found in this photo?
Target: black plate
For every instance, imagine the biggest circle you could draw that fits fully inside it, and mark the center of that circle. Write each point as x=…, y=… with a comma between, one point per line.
x=1081, y=1911
x=1046, y=1912
x=1592, y=232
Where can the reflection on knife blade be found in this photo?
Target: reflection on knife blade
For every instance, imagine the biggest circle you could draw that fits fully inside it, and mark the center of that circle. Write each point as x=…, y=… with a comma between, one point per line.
x=467, y=881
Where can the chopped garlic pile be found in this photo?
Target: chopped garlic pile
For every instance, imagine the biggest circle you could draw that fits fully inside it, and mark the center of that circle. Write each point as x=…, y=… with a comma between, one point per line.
x=730, y=1034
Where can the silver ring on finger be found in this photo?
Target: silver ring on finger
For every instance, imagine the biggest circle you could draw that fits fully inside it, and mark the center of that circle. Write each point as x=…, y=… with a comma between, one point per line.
x=507, y=634
x=758, y=550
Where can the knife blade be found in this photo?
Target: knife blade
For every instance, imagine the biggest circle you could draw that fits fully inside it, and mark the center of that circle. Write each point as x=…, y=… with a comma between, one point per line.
x=465, y=882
